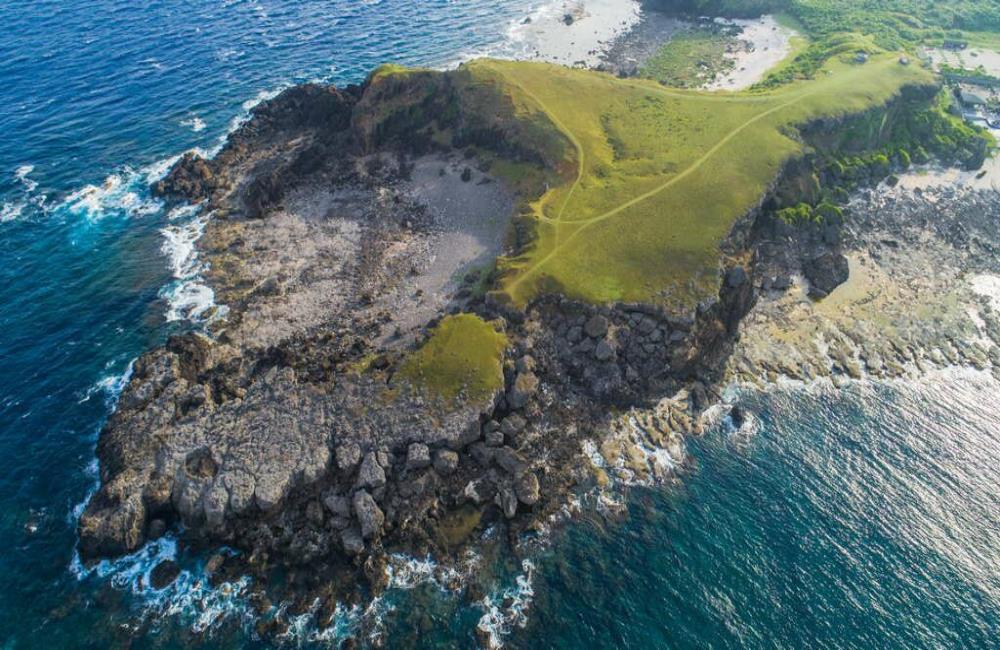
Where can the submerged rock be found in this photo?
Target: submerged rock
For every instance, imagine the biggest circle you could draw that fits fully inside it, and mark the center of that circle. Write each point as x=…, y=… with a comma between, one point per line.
x=164, y=574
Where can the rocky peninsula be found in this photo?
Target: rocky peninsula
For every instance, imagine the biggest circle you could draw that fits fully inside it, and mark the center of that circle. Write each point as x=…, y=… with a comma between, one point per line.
x=379, y=384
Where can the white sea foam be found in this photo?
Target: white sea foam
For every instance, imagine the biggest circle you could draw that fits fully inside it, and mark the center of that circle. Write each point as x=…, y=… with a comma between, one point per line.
x=21, y=174
x=120, y=193
x=111, y=386
x=509, y=609
x=191, y=300
x=125, y=192
x=189, y=597
x=11, y=211
x=188, y=296
x=179, y=246
x=194, y=123
x=91, y=471
x=405, y=572
x=14, y=209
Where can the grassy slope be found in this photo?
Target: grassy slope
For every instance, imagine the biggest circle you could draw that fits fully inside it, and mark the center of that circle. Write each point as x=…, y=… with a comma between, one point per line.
x=662, y=174
x=463, y=354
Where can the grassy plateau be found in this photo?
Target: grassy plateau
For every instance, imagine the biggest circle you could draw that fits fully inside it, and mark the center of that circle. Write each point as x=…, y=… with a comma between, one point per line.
x=631, y=186
x=661, y=175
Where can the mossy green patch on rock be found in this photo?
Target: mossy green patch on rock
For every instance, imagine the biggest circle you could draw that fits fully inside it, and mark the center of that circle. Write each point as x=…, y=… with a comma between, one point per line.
x=462, y=356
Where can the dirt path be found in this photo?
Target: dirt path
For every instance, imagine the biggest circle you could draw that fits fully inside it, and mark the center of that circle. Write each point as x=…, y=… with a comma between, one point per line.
x=585, y=223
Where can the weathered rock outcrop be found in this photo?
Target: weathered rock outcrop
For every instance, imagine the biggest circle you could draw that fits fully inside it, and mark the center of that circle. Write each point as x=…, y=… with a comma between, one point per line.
x=287, y=432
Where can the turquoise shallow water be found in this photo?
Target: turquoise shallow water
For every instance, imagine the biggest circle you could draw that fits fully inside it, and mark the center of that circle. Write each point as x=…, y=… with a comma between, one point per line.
x=868, y=518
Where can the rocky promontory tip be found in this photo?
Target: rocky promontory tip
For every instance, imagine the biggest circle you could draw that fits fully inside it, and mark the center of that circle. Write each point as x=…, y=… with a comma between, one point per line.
x=370, y=388
x=334, y=412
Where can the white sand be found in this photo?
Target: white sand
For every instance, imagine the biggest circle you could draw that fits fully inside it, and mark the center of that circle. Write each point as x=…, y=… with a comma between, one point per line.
x=970, y=59
x=547, y=37
x=988, y=286
x=768, y=45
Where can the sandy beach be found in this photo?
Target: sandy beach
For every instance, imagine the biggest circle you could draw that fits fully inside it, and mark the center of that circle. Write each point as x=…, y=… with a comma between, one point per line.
x=571, y=32
x=767, y=43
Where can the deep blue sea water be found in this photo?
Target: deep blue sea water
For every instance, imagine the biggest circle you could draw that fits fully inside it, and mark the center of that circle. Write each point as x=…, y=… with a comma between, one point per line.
x=864, y=519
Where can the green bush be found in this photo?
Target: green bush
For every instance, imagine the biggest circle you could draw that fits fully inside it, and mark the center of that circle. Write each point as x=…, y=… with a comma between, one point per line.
x=828, y=213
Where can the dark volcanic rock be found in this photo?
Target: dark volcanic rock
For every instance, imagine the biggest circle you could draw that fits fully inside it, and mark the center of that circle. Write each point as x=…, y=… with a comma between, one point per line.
x=352, y=541
x=190, y=179
x=825, y=273
x=528, y=489
x=163, y=574
x=596, y=327
x=371, y=474
x=445, y=461
x=288, y=432
x=369, y=515
x=348, y=456
x=523, y=389
x=418, y=456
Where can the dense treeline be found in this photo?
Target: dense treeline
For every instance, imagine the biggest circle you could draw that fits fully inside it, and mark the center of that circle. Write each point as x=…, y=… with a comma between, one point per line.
x=839, y=27
x=892, y=23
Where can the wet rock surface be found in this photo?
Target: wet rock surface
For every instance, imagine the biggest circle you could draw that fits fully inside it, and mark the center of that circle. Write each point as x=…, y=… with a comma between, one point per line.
x=919, y=294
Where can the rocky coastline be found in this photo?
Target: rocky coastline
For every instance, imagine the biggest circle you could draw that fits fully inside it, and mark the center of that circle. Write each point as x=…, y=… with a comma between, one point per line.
x=337, y=242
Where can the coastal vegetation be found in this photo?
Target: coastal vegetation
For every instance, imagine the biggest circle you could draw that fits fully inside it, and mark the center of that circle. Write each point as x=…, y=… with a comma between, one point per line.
x=661, y=175
x=630, y=188
x=462, y=356
x=691, y=58
x=893, y=24
x=838, y=27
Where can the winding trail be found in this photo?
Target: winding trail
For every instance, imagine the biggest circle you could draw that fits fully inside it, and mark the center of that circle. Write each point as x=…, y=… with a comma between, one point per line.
x=586, y=223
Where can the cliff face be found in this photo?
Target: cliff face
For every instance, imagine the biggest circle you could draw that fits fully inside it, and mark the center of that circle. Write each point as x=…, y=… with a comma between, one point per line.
x=289, y=432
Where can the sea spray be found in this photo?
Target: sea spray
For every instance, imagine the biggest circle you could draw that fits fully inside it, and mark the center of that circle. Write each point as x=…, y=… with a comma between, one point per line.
x=188, y=297
x=190, y=597
x=508, y=609
x=14, y=209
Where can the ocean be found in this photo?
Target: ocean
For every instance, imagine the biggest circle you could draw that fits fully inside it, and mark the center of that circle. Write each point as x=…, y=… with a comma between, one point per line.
x=866, y=517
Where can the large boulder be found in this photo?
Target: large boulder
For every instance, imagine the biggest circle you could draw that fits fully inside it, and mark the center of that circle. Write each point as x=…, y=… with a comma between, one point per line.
x=348, y=456
x=825, y=273
x=111, y=527
x=418, y=456
x=371, y=474
x=596, y=327
x=369, y=515
x=339, y=506
x=527, y=488
x=352, y=541
x=524, y=388
x=190, y=179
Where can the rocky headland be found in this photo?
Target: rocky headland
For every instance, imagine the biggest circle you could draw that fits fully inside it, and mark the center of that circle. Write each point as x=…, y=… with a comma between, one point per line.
x=353, y=235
